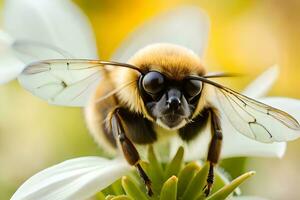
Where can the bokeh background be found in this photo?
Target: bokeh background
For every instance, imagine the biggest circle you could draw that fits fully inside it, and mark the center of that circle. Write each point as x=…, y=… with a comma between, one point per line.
x=247, y=36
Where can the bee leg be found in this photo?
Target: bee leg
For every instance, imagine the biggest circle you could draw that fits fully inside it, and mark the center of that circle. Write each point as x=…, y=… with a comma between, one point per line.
x=128, y=148
x=214, y=149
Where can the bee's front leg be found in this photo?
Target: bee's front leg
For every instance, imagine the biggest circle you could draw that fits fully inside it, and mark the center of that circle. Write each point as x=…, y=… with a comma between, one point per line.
x=214, y=148
x=128, y=148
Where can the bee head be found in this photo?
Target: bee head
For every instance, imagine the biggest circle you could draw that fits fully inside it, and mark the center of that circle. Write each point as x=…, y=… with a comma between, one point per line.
x=170, y=102
x=163, y=93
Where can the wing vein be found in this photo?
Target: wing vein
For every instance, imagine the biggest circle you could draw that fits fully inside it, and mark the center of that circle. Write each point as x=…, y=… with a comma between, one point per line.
x=234, y=109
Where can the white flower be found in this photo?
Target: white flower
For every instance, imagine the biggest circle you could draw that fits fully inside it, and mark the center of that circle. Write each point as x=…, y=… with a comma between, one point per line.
x=61, y=24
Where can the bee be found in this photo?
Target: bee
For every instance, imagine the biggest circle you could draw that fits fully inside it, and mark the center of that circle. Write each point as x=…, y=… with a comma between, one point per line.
x=163, y=87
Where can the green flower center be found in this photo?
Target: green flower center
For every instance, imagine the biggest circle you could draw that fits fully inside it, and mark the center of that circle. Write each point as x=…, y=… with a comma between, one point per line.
x=172, y=181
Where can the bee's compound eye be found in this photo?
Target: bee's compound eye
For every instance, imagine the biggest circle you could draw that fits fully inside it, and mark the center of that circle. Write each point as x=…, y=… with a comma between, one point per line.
x=153, y=82
x=192, y=87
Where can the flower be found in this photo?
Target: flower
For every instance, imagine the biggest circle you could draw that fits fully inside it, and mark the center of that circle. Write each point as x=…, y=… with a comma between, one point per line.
x=61, y=24
x=82, y=178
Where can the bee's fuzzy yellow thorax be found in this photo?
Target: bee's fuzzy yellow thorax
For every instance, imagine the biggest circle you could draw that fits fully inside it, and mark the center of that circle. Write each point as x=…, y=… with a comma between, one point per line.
x=173, y=61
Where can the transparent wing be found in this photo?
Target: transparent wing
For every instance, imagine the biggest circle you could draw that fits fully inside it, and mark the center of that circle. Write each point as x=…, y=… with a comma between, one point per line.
x=20, y=53
x=186, y=26
x=68, y=82
x=254, y=119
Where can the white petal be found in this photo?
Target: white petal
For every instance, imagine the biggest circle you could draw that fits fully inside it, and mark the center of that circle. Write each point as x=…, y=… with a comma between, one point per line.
x=10, y=66
x=263, y=83
x=187, y=26
x=6, y=39
x=78, y=178
x=55, y=22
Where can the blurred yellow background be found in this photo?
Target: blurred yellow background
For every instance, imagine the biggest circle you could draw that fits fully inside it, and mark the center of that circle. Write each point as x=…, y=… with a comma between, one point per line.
x=247, y=36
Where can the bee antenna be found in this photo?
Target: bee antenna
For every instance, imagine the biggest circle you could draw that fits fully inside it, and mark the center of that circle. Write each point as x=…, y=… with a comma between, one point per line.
x=221, y=75
x=114, y=91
